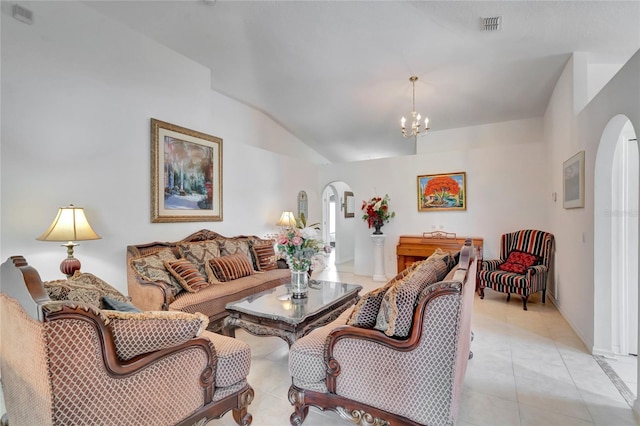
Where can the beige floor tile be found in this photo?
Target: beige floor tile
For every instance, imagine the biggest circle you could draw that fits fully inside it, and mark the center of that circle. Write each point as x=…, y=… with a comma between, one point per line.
x=536, y=416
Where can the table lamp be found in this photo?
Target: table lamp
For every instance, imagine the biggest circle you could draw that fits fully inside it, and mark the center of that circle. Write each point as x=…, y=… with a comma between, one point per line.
x=287, y=220
x=69, y=225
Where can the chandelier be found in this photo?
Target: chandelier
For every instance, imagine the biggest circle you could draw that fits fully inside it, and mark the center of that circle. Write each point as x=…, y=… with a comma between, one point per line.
x=415, y=117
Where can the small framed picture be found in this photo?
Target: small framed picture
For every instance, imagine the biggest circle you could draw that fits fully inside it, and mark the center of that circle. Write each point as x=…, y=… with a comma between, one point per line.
x=349, y=205
x=186, y=174
x=442, y=192
x=573, y=182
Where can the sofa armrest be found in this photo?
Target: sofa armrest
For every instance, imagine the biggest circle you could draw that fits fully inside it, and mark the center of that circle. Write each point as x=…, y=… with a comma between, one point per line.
x=537, y=270
x=490, y=265
x=149, y=295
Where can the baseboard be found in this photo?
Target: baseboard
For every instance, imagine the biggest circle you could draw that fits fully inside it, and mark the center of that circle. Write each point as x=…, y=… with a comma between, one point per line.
x=587, y=342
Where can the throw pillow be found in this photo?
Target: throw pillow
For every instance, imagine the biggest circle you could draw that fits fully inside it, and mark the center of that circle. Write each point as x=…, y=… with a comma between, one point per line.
x=264, y=254
x=61, y=290
x=105, y=289
x=236, y=245
x=118, y=305
x=151, y=268
x=187, y=275
x=518, y=262
x=200, y=252
x=229, y=268
x=395, y=317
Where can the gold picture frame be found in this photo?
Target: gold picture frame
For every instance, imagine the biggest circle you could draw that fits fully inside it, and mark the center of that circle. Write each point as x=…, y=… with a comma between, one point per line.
x=349, y=205
x=186, y=174
x=573, y=182
x=446, y=191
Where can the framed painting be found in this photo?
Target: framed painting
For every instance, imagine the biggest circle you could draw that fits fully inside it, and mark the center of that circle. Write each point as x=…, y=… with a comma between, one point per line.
x=186, y=174
x=573, y=182
x=349, y=205
x=442, y=192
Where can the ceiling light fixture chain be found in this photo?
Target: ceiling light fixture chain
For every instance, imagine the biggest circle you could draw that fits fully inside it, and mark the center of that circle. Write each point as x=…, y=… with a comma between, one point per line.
x=415, y=116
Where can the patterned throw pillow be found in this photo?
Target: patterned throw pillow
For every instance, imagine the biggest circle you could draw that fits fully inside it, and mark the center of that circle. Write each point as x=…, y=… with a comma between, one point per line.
x=187, y=275
x=83, y=287
x=229, y=268
x=443, y=261
x=395, y=317
x=236, y=245
x=264, y=255
x=365, y=312
x=151, y=268
x=518, y=262
x=200, y=252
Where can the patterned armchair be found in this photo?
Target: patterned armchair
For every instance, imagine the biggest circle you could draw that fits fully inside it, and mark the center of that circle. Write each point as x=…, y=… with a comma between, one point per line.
x=370, y=378
x=65, y=363
x=525, y=261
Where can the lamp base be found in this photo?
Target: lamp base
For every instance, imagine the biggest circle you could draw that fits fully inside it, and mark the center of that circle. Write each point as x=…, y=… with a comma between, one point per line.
x=69, y=266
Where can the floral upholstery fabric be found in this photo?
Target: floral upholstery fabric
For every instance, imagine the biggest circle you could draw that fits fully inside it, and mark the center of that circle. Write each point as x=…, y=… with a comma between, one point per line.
x=366, y=309
x=236, y=245
x=83, y=287
x=139, y=333
x=187, y=275
x=151, y=268
x=200, y=252
x=395, y=316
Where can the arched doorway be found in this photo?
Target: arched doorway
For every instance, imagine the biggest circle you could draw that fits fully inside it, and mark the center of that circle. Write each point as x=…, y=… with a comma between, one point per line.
x=616, y=240
x=336, y=228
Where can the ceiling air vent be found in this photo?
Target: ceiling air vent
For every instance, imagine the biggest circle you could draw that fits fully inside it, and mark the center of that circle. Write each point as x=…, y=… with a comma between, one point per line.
x=493, y=23
x=22, y=14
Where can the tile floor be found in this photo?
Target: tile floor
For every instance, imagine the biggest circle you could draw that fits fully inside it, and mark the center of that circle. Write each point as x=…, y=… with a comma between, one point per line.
x=529, y=368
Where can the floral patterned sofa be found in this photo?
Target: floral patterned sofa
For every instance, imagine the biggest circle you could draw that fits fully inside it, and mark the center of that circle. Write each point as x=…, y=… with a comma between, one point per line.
x=228, y=269
x=398, y=357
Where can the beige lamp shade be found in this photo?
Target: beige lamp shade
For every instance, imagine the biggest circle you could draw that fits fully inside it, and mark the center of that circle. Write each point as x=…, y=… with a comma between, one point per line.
x=288, y=220
x=69, y=225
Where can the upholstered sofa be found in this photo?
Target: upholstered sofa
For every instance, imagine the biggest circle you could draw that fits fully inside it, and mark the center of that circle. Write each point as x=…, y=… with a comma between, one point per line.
x=152, y=287
x=71, y=362
x=410, y=376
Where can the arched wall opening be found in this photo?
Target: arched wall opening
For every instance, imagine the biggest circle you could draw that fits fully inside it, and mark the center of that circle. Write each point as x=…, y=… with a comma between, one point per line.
x=616, y=195
x=337, y=230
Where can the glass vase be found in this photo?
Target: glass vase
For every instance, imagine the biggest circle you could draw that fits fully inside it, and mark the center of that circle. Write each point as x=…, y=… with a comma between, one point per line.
x=299, y=284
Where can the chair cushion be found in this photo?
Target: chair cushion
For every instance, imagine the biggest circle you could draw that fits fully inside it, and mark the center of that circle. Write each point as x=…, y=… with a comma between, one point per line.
x=395, y=317
x=264, y=255
x=151, y=268
x=518, y=262
x=503, y=281
x=234, y=359
x=200, y=252
x=229, y=268
x=187, y=275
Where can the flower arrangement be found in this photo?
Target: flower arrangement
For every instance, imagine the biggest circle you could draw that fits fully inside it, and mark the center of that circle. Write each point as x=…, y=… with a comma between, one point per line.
x=300, y=246
x=376, y=211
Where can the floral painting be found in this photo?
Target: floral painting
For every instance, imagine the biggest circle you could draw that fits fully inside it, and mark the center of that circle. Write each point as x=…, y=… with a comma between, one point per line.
x=442, y=192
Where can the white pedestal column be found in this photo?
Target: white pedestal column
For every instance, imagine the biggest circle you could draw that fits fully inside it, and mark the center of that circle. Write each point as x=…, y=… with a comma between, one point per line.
x=378, y=257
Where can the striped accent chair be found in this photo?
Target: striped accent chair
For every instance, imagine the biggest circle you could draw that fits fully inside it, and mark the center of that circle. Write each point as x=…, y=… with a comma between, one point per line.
x=493, y=273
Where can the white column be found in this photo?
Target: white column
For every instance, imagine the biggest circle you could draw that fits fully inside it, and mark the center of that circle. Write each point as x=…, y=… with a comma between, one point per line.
x=378, y=257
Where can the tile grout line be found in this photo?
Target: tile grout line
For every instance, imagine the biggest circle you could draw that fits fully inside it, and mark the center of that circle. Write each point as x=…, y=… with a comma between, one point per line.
x=615, y=379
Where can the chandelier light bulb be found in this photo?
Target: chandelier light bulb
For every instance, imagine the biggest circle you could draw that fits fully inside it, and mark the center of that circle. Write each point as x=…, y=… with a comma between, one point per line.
x=402, y=121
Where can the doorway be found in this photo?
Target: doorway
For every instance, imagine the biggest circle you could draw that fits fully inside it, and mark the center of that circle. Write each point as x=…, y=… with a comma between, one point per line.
x=616, y=240
x=337, y=230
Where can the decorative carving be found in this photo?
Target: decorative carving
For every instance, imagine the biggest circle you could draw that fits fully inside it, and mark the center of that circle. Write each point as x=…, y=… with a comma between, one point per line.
x=439, y=234
x=296, y=398
x=360, y=417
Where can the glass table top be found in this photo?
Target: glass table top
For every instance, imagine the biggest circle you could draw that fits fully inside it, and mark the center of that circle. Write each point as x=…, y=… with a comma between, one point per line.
x=278, y=304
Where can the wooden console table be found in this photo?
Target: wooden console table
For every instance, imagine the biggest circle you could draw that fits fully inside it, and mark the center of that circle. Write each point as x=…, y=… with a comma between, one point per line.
x=412, y=248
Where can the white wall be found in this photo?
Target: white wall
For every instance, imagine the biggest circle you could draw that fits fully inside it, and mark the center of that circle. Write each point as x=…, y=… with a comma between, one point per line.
x=78, y=91
x=567, y=134
x=345, y=229
x=506, y=183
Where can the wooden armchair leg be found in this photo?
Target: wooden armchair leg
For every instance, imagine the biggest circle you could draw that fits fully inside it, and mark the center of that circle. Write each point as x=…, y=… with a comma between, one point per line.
x=241, y=414
x=544, y=296
x=508, y=296
x=524, y=302
x=296, y=398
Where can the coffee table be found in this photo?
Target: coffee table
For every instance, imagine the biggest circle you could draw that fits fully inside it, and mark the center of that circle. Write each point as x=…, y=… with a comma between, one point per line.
x=275, y=313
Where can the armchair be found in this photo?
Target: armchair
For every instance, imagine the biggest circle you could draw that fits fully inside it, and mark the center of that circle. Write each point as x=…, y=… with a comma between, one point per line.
x=65, y=362
x=370, y=378
x=512, y=274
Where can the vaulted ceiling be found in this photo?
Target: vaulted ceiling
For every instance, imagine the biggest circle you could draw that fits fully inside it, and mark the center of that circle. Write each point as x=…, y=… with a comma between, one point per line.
x=336, y=73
